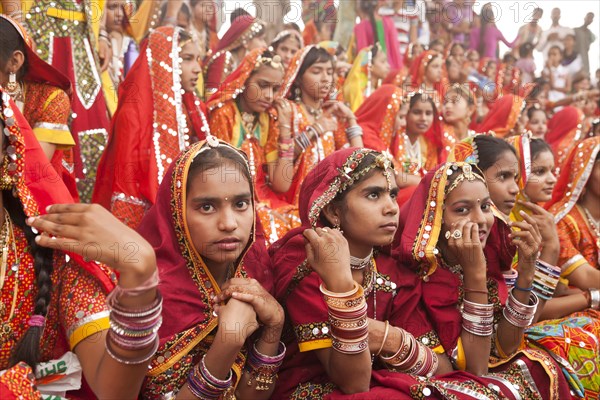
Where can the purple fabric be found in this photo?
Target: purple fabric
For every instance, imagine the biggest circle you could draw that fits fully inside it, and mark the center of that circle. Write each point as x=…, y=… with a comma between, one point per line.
x=491, y=39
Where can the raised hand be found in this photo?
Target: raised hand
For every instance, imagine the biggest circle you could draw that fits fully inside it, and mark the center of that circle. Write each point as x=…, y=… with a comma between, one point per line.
x=328, y=254
x=94, y=233
x=528, y=240
x=465, y=247
x=237, y=321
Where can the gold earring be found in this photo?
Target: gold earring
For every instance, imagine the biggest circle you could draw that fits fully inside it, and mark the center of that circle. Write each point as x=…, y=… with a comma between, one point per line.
x=12, y=85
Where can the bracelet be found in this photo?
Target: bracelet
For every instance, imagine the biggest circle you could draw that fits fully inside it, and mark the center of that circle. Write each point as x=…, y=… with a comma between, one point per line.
x=467, y=290
x=204, y=385
x=353, y=131
x=129, y=361
x=150, y=283
x=478, y=319
x=318, y=131
x=351, y=292
x=510, y=277
x=594, y=298
x=285, y=126
x=529, y=289
x=385, y=335
x=263, y=368
x=518, y=314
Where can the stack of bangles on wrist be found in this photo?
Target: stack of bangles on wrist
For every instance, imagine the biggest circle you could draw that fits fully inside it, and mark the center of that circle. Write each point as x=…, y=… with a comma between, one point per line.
x=302, y=140
x=545, y=279
x=263, y=368
x=412, y=357
x=286, y=148
x=478, y=319
x=134, y=330
x=204, y=385
x=353, y=131
x=519, y=314
x=348, y=320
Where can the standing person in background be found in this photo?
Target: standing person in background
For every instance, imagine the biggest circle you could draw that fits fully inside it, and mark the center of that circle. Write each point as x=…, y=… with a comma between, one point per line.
x=583, y=39
x=531, y=32
x=485, y=38
x=571, y=59
x=526, y=64
x=553, y=36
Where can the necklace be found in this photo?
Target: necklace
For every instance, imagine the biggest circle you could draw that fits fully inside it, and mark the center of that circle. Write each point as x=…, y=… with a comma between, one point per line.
x=248, y=123
x=413, y=151
x=360, y=263
x=315, y=112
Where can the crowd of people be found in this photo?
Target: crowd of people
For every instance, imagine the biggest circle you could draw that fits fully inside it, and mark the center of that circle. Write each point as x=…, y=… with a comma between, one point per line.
x=377, y=205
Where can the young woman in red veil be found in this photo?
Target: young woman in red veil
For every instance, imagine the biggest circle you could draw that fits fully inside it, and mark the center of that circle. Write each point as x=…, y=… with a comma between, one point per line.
x=244, y=113
x=246, y=33
x=426, y=75
x=202, y=228
x=398, y=125
x=564, y=132
x=443, y=239
x=55, y=305
x=503, y=116
x=42, y=94
x=157, y=118
x=319, y=123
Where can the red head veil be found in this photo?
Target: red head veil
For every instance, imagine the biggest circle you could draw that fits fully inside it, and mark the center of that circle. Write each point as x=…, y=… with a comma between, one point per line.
x=38, y=70
x=37, y=185
x=574, y=177
x=243, y=29
x=564, y=130
x=503, y=115
x=377, y=117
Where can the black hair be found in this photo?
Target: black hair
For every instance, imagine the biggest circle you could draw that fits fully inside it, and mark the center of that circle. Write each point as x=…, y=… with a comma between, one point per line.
x=490, y=149
x=215, y=158
x=560, y=50
x=417, y=97
x=314, y=55
x=238, y=12
x=525, y=50
x=11, y=41
x=508, y=58
x=538, y=86
x=435, y=42
x=532, y=110
x=538, y=146
x=275, y=44
x=369, y=7
x=28, y=348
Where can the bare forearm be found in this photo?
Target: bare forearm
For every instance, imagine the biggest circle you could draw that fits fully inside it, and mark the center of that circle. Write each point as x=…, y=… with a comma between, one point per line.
x=350, y=372
x=561, y=306
x=585, y=277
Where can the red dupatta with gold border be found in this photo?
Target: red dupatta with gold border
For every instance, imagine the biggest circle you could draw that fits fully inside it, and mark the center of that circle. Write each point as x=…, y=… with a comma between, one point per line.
x=187, y=284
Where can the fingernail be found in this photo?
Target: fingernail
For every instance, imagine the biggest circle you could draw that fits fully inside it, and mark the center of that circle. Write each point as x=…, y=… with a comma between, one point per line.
x=522, y=212
x=48, y=209
x=38, y=238
x=30, y=220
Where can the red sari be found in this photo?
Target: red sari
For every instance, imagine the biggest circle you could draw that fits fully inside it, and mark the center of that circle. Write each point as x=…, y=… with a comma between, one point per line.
x=187, y=284
x=77, y=307
x=149, y=129
x=533, y=372
x=564, y=132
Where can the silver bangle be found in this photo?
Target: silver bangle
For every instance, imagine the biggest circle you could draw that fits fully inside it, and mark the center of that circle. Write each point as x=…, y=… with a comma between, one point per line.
x=594, y=298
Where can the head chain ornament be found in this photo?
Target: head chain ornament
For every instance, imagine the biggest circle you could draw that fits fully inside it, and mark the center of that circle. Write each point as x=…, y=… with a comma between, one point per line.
x=349, y=175
x=465, y=173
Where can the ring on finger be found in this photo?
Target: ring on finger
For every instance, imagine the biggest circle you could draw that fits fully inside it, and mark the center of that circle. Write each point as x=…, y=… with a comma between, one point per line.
x=457, y=234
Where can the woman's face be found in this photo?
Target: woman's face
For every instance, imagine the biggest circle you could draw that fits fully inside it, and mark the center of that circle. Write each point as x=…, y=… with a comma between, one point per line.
x=458, y=53
x=537, y=124
x=114, y=15
x=554, y=56
x=474, y=59
x=501, y=178
x=470, y=200
x=369, y=214
x=287, y=48
x=317, y=80
x=219, y=214
x=190, y=66
x=261, y=88
x=491, y=70
x=419, y=118
x=454, y=70
x=204, y=10
x=400, y=122
x=256, y=42
x=433, y=73
x=455, y=108
x=381, y=67
x=542, y=180
x=417, y=50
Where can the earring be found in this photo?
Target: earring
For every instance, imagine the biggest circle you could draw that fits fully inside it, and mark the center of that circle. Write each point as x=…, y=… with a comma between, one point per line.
x=12, y=82
x=297, y=94
x=336, y=225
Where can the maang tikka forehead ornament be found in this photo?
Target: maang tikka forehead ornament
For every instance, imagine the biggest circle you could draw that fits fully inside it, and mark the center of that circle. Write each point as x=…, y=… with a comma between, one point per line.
x=466, y=173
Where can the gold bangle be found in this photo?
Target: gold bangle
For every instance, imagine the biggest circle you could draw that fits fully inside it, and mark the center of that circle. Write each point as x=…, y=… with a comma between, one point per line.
x=353, y=292
x=385, y=335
